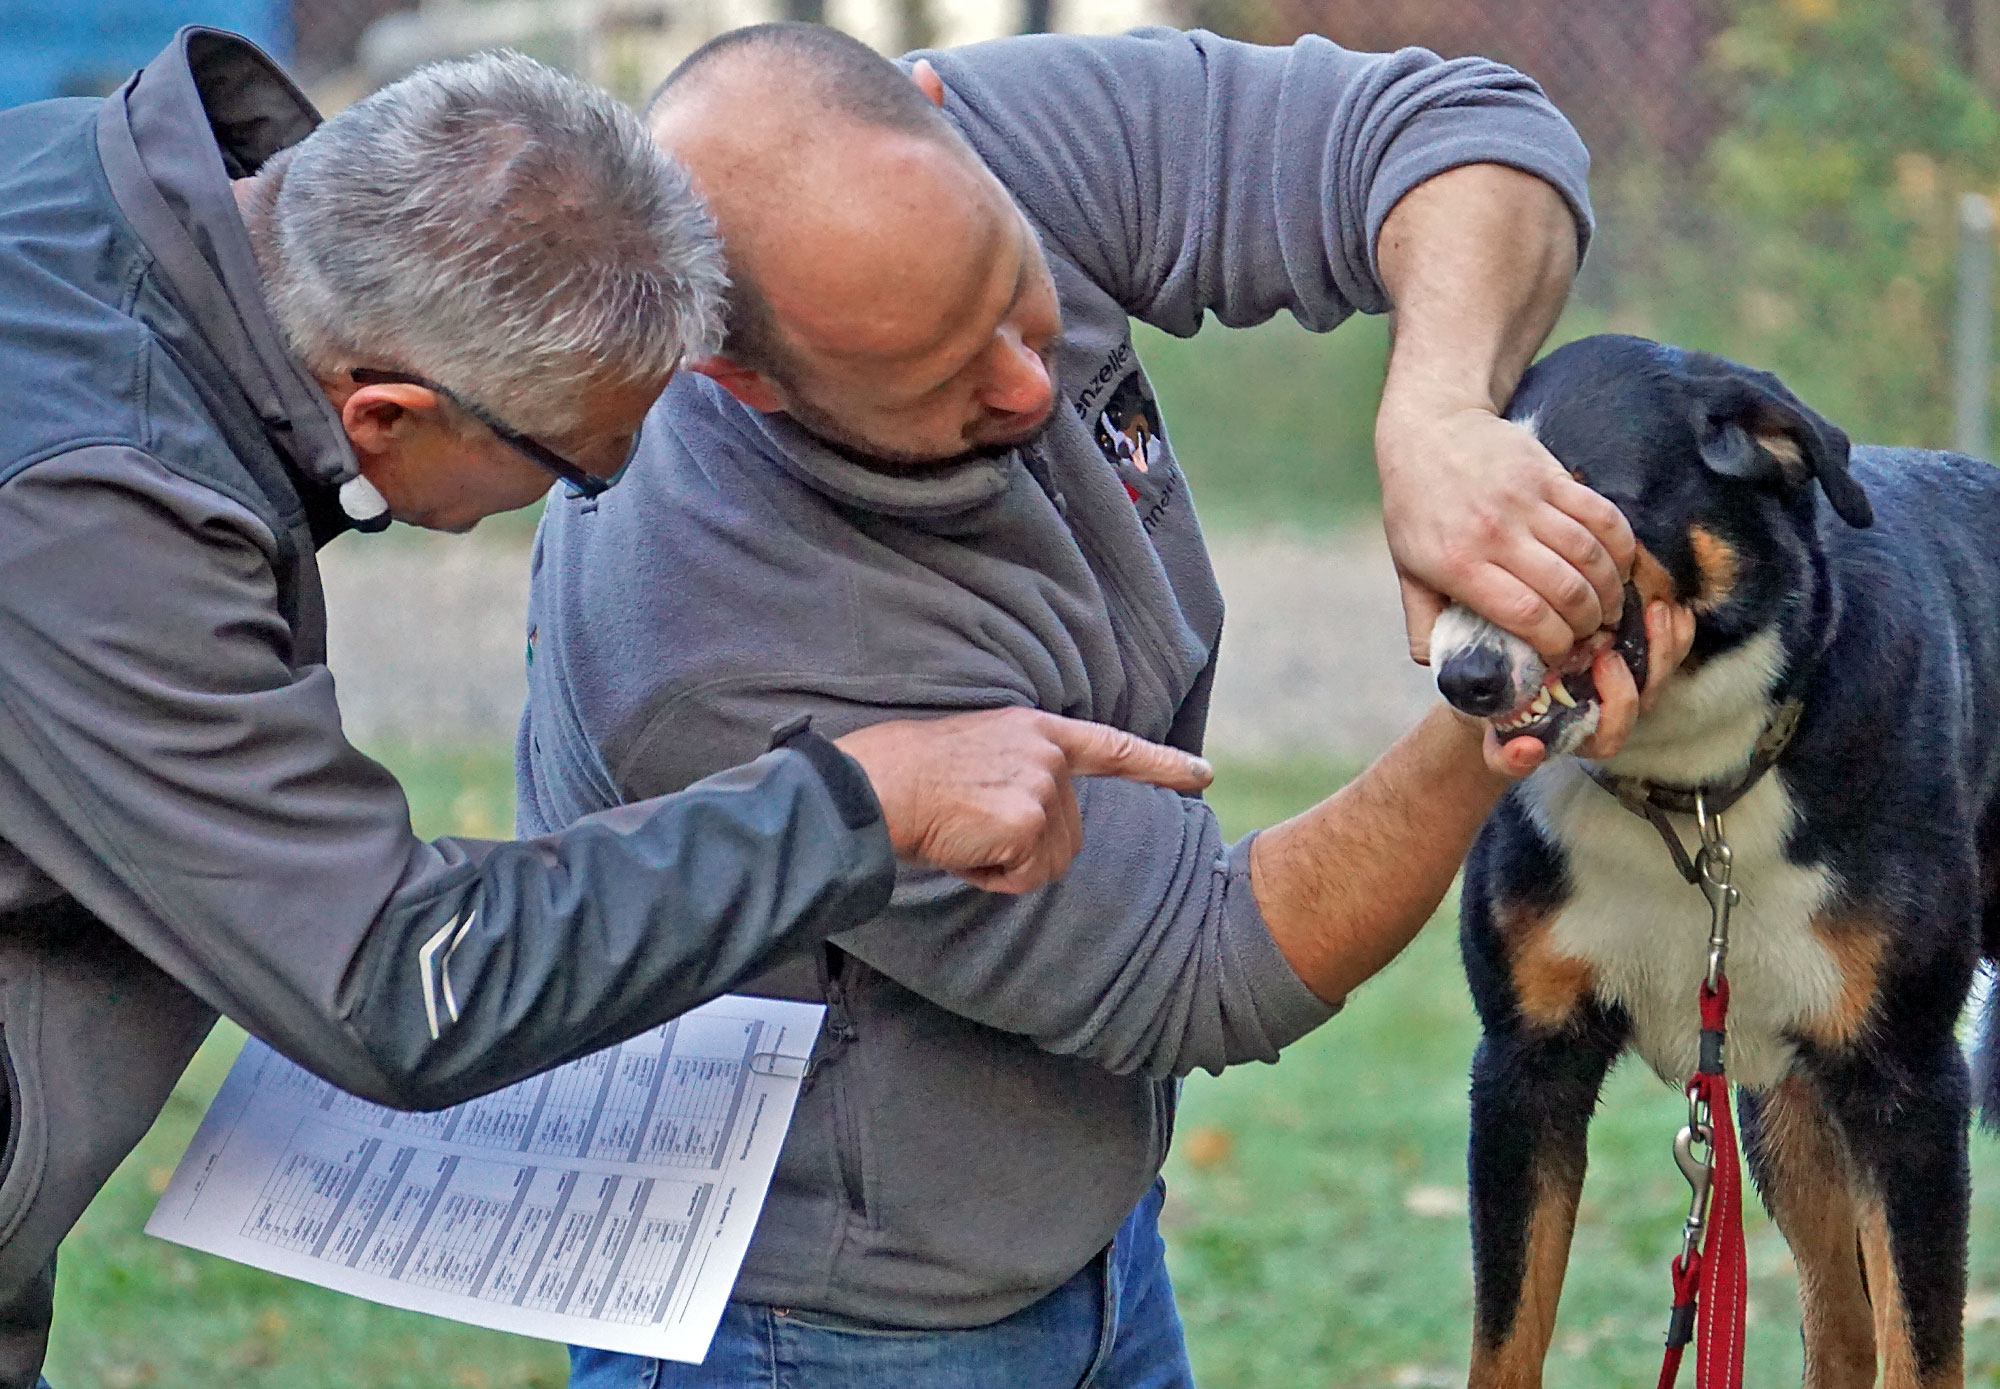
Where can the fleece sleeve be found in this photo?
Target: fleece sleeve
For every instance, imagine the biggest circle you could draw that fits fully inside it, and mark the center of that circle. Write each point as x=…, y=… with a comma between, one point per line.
x=1150, y=956
x=164, y=761
x=1186, y=173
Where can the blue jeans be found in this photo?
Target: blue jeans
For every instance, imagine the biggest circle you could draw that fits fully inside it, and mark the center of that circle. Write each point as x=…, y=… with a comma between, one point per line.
x=1113, y=1326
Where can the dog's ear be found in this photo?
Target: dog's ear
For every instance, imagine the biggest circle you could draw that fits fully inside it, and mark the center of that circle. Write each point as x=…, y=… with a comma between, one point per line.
x=1750, y=427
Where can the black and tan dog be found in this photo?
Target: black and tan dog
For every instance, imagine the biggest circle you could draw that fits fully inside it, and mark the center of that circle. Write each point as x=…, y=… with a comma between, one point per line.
x=1848, y=672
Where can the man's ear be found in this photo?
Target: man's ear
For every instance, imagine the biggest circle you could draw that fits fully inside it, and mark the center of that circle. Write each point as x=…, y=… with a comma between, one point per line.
x=747, y=384
x=378, y=417
x=927, y=80
x=1750, y=427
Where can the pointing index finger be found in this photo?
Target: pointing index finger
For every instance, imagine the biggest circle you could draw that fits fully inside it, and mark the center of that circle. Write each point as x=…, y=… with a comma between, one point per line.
x=1094, y=749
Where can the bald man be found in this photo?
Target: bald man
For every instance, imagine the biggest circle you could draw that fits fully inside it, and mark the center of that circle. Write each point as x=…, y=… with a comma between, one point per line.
x=927, y=473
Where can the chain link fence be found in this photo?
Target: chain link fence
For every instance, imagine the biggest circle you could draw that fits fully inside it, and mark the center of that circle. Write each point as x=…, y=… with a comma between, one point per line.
x=1630, y=74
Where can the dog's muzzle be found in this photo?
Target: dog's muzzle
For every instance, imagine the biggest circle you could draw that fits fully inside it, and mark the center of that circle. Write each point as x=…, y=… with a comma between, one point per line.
x=1492, y=674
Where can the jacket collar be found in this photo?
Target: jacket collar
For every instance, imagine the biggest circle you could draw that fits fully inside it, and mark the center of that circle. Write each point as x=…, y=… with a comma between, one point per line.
x=213, y=107
x=913, y=494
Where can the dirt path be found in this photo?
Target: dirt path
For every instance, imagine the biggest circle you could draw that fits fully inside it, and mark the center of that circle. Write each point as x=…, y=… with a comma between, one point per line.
x=428, y=635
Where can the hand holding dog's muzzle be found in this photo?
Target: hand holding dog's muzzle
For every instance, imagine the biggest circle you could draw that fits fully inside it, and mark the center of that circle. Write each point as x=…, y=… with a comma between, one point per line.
x=1478, y=512
x=1585, y=704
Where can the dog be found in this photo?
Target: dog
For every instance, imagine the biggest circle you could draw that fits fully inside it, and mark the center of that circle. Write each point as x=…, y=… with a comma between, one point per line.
x=1839, y=699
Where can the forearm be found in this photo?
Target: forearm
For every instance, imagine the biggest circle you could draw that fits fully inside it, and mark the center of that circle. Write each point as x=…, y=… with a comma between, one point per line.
x=1150, y=957
x=527, y=954
x=1346, y=885
x=1477, y=263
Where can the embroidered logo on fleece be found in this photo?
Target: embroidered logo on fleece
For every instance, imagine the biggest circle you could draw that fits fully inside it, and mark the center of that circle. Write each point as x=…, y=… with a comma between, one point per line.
x=1128, y=430
x=1127, y=424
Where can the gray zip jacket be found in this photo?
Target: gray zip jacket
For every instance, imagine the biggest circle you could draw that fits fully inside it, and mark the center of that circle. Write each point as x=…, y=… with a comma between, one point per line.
x=994, y=1090
x=183, y=829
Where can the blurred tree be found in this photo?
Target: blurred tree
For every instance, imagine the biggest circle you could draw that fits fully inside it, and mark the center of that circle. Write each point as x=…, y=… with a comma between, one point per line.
x=1774, y=179
x=1974, y=26
x=1824, y=228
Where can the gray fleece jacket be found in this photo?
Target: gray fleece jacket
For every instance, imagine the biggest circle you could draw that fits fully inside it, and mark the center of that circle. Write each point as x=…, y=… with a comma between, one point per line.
x=995, y=1087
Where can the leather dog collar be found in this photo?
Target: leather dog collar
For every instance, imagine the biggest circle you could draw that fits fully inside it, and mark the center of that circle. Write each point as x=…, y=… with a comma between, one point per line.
x=1651, y=801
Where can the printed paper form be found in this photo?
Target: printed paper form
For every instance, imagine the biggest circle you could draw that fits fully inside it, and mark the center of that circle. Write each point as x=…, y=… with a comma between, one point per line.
x=607, y=1203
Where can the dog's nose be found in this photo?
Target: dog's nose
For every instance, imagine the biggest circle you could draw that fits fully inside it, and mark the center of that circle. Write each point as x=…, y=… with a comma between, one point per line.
x=1478, y=681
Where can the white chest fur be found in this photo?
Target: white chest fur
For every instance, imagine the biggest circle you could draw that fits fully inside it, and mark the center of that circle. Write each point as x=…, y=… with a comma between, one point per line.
x=1644, y=930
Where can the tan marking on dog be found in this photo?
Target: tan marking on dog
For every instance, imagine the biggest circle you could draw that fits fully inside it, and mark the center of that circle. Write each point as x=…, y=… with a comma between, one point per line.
x=1650, y=577
x=1516, y=1362
x=1715, y=561
x=1856, y=946
x=1892, y=1316
x=1782, y=447
x=1807, y=1187
x=1548, y=985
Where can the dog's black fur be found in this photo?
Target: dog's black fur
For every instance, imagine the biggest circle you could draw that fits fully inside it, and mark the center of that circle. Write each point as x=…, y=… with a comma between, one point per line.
x=1748, y=508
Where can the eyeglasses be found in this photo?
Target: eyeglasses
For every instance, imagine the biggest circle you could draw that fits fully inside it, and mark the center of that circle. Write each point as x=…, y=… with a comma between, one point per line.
x=579, y=482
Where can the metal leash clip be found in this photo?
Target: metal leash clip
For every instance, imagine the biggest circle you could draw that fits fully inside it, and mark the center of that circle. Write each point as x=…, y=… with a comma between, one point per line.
x=1699, y=1169
x=1713, y=866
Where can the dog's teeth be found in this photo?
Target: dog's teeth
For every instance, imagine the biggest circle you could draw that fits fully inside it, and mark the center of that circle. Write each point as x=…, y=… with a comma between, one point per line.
x=1563, y=696
x=1541, y=704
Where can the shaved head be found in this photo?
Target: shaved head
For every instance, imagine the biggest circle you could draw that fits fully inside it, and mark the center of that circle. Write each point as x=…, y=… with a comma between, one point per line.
x=770, y=113
x=836, y=72
x=885, y=290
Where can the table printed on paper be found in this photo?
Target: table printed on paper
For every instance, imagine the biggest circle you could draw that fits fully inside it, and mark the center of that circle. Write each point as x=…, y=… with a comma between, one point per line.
x=607, y=1203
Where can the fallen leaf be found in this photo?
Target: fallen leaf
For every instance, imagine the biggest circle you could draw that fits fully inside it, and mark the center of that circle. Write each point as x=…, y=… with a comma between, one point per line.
x=1208, y=1146
x=1435, y=1202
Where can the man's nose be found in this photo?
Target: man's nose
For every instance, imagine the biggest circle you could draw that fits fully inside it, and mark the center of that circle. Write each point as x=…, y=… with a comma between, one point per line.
x=1020, y=381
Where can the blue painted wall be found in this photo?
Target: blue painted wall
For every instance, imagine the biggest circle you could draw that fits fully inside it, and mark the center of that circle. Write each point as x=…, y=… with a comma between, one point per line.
x=87, y=47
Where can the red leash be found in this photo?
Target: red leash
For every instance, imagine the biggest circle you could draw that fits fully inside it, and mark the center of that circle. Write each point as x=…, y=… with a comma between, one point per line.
x=1709, y=1295
x=1718, y=1362
x=1709, y=1281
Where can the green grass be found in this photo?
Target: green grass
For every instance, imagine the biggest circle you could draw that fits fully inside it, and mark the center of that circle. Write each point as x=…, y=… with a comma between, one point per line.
x=1315, y=1222
x=1311, y=1226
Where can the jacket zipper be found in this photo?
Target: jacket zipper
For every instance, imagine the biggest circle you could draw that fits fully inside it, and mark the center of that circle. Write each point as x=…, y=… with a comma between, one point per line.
x=840, y=1030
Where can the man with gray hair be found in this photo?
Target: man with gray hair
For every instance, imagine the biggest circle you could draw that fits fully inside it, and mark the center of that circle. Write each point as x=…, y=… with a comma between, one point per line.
x=226, y=337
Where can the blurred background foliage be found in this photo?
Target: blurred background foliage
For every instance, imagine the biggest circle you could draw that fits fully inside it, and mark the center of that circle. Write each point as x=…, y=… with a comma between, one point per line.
x=1775, y=180
x=1817, y=233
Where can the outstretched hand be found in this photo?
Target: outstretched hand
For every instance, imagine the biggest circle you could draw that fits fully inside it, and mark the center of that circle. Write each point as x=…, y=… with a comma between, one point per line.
x=1478, y=512
x=987, y=796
